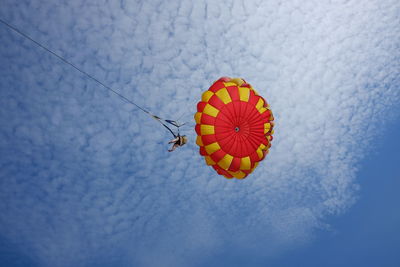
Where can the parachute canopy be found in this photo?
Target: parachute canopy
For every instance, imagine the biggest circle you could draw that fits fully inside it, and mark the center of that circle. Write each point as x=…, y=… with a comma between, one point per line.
x=234, y=126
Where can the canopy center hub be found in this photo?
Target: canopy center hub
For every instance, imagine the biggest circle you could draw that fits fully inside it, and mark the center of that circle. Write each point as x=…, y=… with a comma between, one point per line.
x=237, y=129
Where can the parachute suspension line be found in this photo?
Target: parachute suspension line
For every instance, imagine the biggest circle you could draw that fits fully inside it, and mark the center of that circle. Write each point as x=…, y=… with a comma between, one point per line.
x=93, y=78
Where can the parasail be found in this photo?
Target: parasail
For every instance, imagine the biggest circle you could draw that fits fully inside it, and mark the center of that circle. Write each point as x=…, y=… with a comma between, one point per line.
x=234, y=127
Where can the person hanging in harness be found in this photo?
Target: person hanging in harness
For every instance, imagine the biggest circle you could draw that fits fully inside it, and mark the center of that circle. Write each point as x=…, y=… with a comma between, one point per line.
x=177, y=142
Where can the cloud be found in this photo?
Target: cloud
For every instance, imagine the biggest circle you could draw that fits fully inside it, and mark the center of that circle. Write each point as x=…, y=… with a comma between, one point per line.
x=86, y=179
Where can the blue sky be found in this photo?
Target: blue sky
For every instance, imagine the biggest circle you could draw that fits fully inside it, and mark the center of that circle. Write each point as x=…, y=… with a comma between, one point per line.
x=86, y=179
x=368, y=234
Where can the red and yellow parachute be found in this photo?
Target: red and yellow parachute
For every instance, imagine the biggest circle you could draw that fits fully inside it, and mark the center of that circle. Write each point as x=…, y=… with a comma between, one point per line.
x=234, y=127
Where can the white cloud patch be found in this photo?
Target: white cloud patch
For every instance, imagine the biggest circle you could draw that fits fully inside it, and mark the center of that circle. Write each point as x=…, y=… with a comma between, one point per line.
x=86, y=179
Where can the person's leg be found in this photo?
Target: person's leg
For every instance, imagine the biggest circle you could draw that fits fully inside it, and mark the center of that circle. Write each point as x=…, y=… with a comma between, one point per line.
x=173, y=147
x=173, y=140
